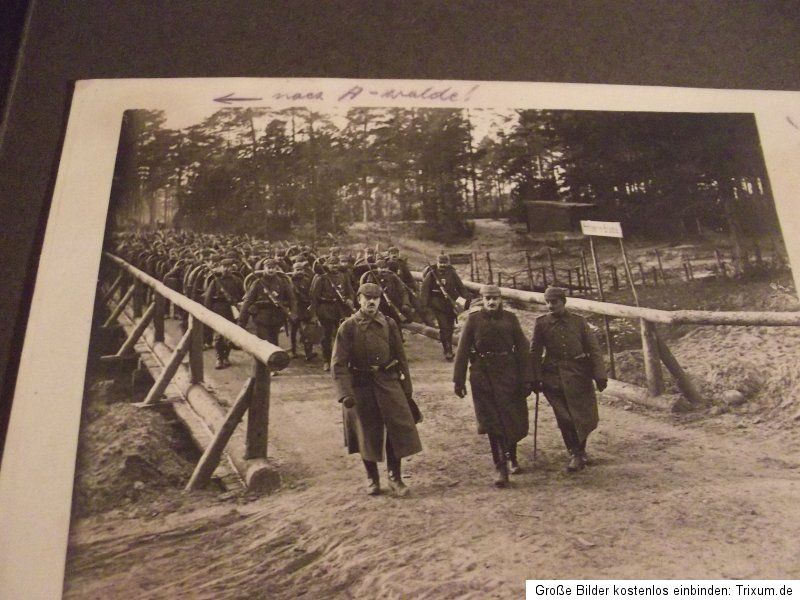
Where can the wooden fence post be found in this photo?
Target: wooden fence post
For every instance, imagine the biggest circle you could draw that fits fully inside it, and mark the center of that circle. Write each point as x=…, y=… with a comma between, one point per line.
x=606, y=326
x=757, y=253
x=569, y=281
x=720, y=264
x=120, y=307
x=654, y=272
x=660, y=267
x=544, y=276
x=652, y=361
x=528, y=268
x=489, y=268
x=471, y=268
x=587, y=279
x=685, y=384
x=138, y=298
x=155, y=393
x=552, y=264
x=499, y=279
x=114, y=287
x=210, y=459
x=196, y=349
x=159, y=304
x=258, y=415
x=614, y=277
x=137, y=332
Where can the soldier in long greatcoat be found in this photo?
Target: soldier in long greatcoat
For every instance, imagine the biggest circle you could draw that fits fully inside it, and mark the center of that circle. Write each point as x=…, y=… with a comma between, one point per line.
x=572, y=364
x=500, y=375
x=374, y=385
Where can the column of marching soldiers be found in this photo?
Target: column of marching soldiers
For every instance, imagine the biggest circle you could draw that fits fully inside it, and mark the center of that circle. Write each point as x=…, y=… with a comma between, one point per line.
x=352, y=305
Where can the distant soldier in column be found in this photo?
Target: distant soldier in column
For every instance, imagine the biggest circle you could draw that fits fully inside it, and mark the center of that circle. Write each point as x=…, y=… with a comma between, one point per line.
x=572, y=362
x=374, y=385
x=301, y=281
x=270, y=301
x=403, y=272
x=331, y=302
x=395, y=302
x=223, y=291
x=440, y=289
x=500, y=376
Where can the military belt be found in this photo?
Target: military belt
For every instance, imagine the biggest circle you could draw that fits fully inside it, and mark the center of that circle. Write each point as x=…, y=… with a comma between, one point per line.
x=376, y=368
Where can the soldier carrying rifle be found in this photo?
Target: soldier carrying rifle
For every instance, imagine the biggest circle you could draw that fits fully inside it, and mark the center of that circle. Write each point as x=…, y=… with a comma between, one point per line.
x=270, y=300
x=331, y=302
x=441, y=287
x=223, y=291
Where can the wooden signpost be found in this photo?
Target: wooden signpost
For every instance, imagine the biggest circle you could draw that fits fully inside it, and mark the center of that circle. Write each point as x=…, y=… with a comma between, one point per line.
x=602, y=229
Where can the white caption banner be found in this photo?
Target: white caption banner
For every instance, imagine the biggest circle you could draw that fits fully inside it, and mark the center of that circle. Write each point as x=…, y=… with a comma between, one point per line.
x=659, y=588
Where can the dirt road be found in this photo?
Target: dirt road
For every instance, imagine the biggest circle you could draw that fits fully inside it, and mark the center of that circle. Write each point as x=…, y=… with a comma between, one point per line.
x=665, y=498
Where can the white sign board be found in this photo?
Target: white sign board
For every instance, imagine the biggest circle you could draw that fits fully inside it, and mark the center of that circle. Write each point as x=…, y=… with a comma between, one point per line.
x=602, y=228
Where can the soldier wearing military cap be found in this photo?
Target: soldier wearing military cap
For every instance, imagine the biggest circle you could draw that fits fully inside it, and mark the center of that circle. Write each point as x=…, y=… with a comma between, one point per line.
x=568, y=363
x=373, y=383
x=223, y=291
x=399, y=265
x=395, y=302
x=301, y=282
x=500, y=375
x=441, y=287
x=270, y=300
x=331, y=301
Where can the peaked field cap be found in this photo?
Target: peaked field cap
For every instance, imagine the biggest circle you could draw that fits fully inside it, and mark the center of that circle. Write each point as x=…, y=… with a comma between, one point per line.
x=371, y=290
x=555, y=292
x=443, y=258
x=270, y=262
x=489, y=290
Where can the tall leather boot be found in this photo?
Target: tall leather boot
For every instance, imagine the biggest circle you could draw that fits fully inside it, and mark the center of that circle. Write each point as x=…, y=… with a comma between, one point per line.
x=499, y=458
x=396, y=483
x=373, y=479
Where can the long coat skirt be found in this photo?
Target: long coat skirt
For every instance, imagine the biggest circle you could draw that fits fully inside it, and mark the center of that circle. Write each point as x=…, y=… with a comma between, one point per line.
x=499, y=372
x=381, y=398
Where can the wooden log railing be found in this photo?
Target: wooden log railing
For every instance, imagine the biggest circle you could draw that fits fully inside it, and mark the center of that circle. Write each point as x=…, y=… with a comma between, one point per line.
x=247, y=453
x=653, y=347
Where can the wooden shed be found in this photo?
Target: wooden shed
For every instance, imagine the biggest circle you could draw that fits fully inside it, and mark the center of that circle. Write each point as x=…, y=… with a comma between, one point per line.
x=552, y=215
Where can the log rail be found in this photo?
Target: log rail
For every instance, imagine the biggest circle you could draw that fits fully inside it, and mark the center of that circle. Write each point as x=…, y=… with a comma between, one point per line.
x=247, y=453
x=653, y=347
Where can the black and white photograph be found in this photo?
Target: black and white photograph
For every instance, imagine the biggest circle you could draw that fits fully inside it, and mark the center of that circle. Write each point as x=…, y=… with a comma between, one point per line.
x=360, y=339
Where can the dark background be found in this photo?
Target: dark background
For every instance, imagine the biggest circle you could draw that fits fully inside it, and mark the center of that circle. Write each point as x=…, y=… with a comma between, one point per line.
x=701, y=43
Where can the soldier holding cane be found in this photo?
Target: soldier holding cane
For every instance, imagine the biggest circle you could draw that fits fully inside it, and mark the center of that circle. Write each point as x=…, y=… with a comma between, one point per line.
x=500, y=375
x=572, y=362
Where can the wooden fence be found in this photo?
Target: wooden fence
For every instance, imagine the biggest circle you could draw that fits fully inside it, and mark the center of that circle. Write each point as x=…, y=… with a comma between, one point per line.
x=654, y=349
x=647, y=269
x=248, y=456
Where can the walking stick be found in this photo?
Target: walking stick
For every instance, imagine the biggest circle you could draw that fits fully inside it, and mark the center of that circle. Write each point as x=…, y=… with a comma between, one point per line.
x=535, y=424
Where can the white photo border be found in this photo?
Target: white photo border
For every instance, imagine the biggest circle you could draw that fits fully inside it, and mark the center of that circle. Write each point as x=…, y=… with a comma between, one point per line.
x=37, y=473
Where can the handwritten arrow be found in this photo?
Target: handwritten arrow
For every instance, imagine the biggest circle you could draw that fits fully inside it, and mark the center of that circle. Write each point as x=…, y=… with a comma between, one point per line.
x=228, y=98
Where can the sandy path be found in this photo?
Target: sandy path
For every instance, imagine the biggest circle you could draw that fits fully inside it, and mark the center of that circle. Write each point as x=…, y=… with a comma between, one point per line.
x=664, y=500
